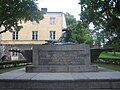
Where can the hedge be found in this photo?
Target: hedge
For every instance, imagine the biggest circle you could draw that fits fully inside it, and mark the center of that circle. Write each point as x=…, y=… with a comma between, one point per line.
x=6, y=64
x=109, y=61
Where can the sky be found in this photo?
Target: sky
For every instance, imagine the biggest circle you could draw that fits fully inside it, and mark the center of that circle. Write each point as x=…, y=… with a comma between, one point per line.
x=70, y=6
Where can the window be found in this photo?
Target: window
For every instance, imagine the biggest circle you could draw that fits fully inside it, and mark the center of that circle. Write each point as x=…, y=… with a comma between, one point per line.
x=34, y=35
x=52, y=34
x=15, y=35
x=52, y=20
x=14, y=53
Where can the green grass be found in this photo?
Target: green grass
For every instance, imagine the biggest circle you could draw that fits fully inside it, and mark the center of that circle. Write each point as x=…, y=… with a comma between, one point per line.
x=10, y=69
x=109, y=66
x=110, y=55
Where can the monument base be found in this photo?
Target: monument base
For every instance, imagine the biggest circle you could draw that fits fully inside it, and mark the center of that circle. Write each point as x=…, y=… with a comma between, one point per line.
x=61, y=68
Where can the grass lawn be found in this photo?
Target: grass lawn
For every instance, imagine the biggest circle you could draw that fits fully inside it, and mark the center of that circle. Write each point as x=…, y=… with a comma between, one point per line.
x=10, y=69
x=110, y=55
x=109, y=66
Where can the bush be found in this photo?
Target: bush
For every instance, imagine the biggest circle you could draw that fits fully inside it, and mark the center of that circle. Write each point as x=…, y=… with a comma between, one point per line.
x=6, y=64
x=109, y=61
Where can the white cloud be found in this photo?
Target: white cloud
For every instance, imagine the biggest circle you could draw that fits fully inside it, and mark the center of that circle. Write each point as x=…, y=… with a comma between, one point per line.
x=70, y=6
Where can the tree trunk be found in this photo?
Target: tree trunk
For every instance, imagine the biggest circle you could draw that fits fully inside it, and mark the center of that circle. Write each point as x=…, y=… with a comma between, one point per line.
x=3, y=31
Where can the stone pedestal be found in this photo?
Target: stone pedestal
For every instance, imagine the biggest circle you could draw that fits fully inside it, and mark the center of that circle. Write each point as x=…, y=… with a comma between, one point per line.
x=61, y=58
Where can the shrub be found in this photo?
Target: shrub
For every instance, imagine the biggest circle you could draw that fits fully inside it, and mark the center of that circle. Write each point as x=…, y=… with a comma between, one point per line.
x=109, y=61
x=6, y=64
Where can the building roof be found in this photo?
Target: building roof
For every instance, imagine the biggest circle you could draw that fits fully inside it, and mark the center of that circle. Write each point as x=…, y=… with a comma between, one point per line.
x=55, y=12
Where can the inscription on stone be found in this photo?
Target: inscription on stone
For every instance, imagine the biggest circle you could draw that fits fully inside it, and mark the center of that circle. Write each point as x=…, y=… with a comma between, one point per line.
x=60, y=57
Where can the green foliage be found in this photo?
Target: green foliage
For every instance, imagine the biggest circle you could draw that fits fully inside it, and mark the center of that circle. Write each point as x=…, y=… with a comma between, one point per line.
x=114, y=43
x=69, y=19
x=79, y=32
x=104, y=14
x=109, y=60
x=110, y=55
x=7, y=64
x=99, y=37
x=3, y=70
x=13, y=12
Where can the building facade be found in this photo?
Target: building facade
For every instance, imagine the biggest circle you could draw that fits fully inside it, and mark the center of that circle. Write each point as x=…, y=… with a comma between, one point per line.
x=49, y=28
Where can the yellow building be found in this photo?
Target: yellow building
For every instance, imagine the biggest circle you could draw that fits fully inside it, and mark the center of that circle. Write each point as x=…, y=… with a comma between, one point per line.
x=36, y=33
x=49, y=28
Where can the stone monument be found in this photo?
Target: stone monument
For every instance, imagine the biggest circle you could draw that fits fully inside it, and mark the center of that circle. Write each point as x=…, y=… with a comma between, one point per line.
x=61, y=58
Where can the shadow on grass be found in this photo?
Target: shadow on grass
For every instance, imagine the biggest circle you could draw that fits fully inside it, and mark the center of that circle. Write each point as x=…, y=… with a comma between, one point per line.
x=10, y=69
x=109, y=66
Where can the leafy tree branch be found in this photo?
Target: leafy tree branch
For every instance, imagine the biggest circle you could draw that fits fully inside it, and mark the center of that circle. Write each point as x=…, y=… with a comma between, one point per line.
x=13, y=12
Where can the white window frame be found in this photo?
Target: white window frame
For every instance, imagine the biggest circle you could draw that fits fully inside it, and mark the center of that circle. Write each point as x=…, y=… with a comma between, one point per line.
x=52, y=20
x=14, y=54
x=52, y=35
x=15, y=35
x=34, y=35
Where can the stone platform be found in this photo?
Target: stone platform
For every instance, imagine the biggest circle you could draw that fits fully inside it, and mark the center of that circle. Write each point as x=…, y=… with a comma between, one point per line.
x=61, y=68
x=20, y=80
x=61, y=58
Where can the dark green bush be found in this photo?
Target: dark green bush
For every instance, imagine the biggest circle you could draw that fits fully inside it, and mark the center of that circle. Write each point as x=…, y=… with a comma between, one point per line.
x=6, y=64
x=109, y=61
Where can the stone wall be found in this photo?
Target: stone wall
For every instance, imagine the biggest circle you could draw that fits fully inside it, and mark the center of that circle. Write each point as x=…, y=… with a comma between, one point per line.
x=61, y=54
x=61, y=58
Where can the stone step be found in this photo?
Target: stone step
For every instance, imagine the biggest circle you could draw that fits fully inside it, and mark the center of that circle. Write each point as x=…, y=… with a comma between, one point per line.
x=60, y=84
x=20, y=80
x=61, y=68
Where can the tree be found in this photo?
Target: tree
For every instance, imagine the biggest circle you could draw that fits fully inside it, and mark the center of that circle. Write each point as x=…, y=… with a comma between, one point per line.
x=79, y=33
x=13, y=12
x=104, y=14
x=114, y=44
x=98, y=37
x=69, y=19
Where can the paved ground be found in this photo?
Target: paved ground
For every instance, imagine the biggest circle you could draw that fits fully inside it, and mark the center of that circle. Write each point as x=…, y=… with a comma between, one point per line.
x=20, y=74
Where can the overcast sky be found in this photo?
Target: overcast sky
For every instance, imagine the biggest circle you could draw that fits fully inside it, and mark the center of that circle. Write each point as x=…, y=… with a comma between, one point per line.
x=70, y=6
